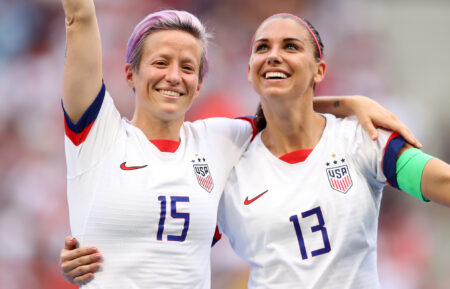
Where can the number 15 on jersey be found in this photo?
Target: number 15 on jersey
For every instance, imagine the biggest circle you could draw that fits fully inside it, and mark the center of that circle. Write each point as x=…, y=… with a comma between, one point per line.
x=175, y=215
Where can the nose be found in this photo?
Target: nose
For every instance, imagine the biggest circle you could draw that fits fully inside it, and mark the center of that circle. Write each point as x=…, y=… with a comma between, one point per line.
x=173, y=75
x=274, y=57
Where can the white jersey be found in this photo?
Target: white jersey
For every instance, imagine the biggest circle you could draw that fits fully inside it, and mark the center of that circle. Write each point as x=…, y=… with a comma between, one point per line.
x=151, y=214
x=311, y=224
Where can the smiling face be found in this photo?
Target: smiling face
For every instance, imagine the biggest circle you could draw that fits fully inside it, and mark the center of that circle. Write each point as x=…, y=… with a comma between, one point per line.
x=283, y=60
x=167, y=80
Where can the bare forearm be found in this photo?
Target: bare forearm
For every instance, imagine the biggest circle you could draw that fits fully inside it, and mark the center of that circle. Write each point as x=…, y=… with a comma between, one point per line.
x=333, y=104
x=370, y=114
x=436, y=181
x=82, y=76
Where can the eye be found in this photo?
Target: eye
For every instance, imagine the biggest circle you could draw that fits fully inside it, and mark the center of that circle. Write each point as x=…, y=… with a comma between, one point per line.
x=188, y=68
x=291, y=46
x=159, y=63
x=261, y=47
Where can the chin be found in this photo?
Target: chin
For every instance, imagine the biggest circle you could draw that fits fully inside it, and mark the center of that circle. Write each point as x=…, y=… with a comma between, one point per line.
x=171, y=112
x=275, y=92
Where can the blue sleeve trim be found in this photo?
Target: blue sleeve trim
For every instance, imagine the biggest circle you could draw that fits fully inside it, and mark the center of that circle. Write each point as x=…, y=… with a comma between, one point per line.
x=252, y=120
x=214, y=241
x=390, y=159
x=246, y=117
x=89, y=115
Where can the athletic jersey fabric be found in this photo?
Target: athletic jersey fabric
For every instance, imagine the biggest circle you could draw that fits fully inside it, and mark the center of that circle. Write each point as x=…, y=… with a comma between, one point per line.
x=151, y=214
x=310, y=224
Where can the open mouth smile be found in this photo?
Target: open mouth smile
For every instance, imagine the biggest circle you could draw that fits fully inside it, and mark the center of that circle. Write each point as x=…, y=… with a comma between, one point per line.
x=170, y=93
x=275, y=75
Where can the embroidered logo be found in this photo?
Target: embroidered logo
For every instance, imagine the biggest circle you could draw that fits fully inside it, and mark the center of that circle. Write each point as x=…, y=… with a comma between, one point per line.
x=248, y=202
x=339, y=175
x=203, y=174
x=125, y=168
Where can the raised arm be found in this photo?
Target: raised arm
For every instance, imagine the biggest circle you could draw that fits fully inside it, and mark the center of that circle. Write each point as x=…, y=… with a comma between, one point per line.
x=82, y=76
x=370, y=114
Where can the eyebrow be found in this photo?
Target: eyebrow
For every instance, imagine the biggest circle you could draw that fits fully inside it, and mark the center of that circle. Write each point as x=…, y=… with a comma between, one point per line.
x=184, y=59
x=293, y=39
x=284, y=40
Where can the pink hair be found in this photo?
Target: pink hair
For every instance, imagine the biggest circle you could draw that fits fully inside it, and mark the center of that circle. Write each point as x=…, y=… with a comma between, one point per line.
x=167, y=20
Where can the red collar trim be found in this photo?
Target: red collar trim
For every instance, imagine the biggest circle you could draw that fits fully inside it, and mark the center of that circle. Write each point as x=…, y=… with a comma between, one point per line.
x=296, y=156
x=166, y=145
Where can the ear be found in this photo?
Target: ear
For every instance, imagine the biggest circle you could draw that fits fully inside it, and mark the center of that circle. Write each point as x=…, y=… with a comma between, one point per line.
x=197, y=91
x=129, y=75
x=248, y=73
x=320, y=73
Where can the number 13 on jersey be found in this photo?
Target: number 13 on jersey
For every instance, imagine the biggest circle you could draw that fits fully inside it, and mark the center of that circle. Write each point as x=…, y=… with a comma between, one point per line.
x=320, y=227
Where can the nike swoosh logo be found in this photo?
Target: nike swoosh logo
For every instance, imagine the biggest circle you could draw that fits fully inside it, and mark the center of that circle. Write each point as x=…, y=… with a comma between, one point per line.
x=248, y=202
x=125, y=168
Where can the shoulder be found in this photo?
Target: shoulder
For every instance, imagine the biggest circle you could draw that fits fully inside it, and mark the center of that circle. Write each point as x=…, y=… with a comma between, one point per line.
x=350, y=129
x=340, y=128
x=220, y=125
x=226, y=122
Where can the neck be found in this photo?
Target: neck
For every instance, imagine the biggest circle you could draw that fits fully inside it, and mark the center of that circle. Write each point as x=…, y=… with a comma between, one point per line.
x=156, y=128
x=291, y=127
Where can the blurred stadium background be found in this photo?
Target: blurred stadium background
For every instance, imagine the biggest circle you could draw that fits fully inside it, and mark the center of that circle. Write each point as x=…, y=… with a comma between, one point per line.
x=396, y=52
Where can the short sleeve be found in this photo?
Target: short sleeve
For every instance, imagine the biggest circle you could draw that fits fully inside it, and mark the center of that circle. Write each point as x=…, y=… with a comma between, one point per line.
x=88, y=140
x=377, y=159
x=231, y=135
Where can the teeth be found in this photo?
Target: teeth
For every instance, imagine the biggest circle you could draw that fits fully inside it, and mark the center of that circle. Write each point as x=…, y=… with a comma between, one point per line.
x=169, y=92
x=275, y=75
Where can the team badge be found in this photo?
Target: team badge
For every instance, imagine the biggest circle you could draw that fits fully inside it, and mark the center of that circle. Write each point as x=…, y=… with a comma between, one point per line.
x=203, y=174
x=339, y=175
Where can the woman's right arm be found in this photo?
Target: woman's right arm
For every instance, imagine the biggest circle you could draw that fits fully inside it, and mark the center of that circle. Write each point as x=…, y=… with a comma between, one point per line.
x=82, y=81
x=82, y=76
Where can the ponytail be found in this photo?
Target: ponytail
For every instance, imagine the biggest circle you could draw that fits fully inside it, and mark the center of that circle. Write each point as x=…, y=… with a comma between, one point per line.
x=260, y=119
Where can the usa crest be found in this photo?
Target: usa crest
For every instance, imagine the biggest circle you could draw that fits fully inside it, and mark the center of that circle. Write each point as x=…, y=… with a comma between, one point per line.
x=339, y=175
x=203, y=174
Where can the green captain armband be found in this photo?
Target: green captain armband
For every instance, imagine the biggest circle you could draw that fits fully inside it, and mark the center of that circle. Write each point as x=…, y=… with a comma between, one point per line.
x=409, y=171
